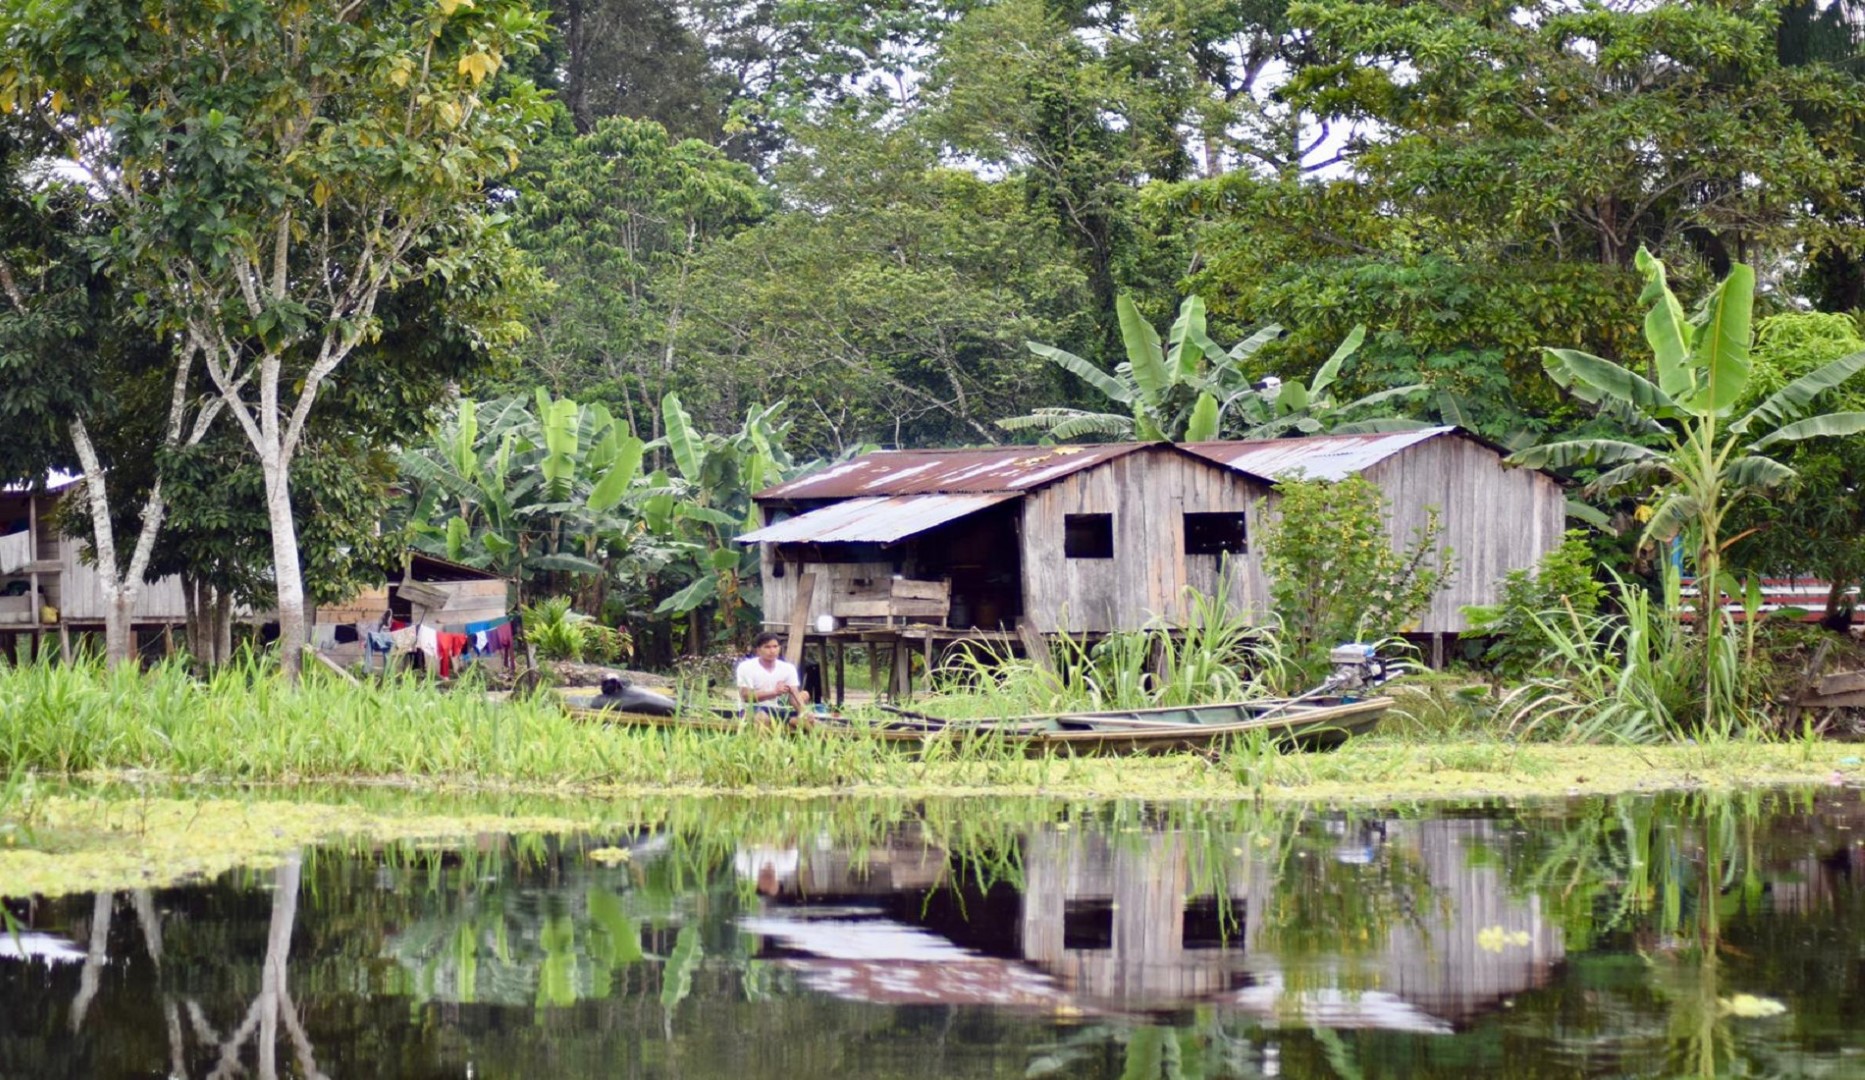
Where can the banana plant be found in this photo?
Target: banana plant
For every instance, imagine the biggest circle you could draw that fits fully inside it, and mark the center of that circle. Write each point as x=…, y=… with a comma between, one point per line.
x=1277, y=408
x=1190, y=389
x=1706, y=458
x=710, y=503
x=527, y=492
x=1169, y=389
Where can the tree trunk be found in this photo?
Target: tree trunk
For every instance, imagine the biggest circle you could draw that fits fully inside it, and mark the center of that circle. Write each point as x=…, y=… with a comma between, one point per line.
x=223, y=627
x=119, y=629
x=119, y=589
x=272, y=987
x=195, y=609
x=287, y=571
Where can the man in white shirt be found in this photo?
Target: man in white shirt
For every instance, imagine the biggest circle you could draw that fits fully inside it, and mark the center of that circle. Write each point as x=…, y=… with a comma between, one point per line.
x=766, y=681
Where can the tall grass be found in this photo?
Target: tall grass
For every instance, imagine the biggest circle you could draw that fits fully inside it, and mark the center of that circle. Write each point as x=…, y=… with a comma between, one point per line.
x=243, y=724
x=1216, y=654
x=1638, y=674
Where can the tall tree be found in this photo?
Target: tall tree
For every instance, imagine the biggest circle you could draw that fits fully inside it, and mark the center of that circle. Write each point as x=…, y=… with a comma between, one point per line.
x=80, y=368
x=616, y=220
x=271, y=172
x=1502, y=163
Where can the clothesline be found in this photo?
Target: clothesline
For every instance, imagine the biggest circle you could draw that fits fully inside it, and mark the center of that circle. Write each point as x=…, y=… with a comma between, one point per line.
x=444, y=647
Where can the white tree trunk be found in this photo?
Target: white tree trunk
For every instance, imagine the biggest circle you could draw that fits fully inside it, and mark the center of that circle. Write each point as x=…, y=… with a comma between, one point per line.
x=119, y=589
x=223, y=628
x=123, y=584
x=287, y=570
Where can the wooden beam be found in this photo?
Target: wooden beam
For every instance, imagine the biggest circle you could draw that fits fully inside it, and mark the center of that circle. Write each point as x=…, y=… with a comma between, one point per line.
x=1847, y=682
x=799, y=616
x=331, y=664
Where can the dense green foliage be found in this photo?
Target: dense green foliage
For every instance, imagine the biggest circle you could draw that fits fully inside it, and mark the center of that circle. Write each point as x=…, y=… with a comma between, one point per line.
x=1703, y=453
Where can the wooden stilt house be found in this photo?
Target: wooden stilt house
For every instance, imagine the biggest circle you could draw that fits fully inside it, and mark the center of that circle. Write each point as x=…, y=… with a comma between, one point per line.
x=1099, y=538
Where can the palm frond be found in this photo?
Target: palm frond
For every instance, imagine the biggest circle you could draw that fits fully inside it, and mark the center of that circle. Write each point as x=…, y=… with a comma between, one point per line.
x=1576, y=452
x=1251, y=345
x=1842, y=423
x=1790, y=402
x=1110, y=387
x=1628, y=474
x=1757, y=471
x=1596, y=380
x=1094, y=424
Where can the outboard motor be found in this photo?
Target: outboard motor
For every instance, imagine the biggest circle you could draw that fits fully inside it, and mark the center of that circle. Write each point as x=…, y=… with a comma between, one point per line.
x=1357, y=666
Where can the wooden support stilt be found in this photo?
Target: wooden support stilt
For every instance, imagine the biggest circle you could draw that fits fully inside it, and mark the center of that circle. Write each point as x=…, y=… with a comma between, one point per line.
x=799, y=617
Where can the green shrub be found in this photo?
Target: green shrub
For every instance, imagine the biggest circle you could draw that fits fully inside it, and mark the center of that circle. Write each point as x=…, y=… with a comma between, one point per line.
x=1561, y=583
x=555, y=631
x=1335, y=575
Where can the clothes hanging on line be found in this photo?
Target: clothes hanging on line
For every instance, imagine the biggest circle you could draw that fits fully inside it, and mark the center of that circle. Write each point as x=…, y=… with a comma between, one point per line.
x=449, y=647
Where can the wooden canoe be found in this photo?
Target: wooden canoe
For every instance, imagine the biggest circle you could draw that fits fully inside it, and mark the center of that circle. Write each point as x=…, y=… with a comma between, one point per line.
x=1312, y=724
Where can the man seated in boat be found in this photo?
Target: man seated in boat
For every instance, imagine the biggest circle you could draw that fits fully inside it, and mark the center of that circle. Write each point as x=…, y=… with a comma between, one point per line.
x=768, y=683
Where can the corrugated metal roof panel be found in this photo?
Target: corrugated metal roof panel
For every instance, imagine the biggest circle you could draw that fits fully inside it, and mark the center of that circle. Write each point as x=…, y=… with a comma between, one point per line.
x=56, y=480
x=928, y=472
x=1317, y=457
x=873, y=520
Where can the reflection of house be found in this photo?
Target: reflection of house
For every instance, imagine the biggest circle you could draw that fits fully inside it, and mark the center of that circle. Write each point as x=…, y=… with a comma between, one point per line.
x=1152, y=922
x=1466, y=944
x=1091, y=539
x=1117, y=920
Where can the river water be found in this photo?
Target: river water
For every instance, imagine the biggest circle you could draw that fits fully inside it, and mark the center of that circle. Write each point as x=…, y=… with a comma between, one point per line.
x=1684, y=935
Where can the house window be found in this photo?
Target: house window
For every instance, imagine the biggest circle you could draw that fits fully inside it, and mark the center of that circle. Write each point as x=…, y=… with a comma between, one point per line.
x=1088, y=924
x=1088, y=536
x=1215, y=534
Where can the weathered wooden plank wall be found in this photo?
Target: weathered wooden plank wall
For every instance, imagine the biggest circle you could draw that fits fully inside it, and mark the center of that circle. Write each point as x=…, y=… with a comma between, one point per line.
x=1496, y=519
x=1148, y=494
x=833, y=581
x=80, y=597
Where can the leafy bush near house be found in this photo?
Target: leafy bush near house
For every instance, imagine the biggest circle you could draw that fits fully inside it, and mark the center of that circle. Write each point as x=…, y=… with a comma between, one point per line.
x=1560, y=588
x=1335, y=574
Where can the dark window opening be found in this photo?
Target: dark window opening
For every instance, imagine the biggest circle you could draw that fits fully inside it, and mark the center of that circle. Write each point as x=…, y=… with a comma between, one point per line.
x=1212, y=923
x=1088, y=924
x=1215, y=534
x=1088, y=536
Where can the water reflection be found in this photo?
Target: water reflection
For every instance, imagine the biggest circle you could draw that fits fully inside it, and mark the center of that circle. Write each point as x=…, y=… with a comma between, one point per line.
x=1696, y=935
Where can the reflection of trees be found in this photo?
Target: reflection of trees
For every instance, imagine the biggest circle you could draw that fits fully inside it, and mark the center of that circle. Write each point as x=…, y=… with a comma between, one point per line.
x=271, y=1008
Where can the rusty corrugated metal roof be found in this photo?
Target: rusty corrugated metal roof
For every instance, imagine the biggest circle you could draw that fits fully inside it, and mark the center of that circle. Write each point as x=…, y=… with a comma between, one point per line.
x=1317, y=457
x=874, y=520
x=930, y=472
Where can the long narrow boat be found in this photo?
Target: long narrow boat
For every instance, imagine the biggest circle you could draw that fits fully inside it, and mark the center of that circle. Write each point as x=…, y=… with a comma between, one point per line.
x=1312, y=723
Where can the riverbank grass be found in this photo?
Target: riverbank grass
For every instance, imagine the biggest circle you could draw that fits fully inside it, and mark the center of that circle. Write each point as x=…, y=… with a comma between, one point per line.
x=244, y=727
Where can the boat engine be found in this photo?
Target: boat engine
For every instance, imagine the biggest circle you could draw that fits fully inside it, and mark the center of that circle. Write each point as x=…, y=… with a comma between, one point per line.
x=1357, y=666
